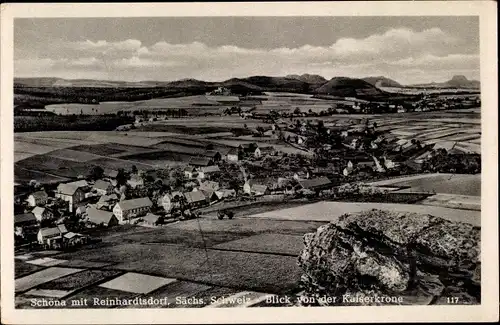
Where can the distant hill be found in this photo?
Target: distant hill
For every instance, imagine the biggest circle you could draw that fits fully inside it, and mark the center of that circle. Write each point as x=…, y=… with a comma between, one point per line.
x=382, y=82
x=309, y=78
x=458, y=81
x=349, y=87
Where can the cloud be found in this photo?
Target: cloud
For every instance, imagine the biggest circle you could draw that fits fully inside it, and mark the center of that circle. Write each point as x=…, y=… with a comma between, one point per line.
x=395, y=53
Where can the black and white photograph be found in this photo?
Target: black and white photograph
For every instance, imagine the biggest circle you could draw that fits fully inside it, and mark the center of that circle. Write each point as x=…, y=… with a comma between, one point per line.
x=247, y=161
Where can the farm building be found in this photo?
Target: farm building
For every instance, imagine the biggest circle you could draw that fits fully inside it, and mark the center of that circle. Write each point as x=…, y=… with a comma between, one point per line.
x=127, y=209
x=101, y=217
x=72, y=193
x=196, y=199
x=315, y=184
x=42, y=214
x=200, y=161
x=103, y=187
x=38, y=198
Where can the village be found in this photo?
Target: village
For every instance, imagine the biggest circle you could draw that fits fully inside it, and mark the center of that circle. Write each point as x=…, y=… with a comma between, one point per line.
x=58, y=216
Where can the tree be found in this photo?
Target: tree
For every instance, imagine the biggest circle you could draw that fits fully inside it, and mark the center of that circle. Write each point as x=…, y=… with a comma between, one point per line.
x=296, y=111
x=96, y=172
x=134, y=169
x=122, y=177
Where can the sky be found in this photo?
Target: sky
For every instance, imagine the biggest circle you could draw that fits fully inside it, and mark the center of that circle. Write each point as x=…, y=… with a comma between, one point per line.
x=407, y=49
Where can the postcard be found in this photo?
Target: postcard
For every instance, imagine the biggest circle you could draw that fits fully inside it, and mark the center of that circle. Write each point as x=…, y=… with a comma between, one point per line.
x=249, y=162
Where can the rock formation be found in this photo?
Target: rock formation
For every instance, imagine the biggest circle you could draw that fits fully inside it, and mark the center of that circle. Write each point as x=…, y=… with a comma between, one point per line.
x=380, y=257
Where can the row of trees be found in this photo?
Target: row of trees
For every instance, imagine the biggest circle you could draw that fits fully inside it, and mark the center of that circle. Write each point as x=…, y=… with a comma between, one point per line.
x=69, y=123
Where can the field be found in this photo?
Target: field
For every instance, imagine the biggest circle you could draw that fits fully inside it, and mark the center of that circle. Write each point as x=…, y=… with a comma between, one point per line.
x=439, y=183
x=330, y=211
x=266, y=243
x=35, y=279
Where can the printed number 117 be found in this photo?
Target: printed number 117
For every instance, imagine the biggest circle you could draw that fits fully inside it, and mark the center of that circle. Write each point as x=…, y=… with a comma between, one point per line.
x=452, y=300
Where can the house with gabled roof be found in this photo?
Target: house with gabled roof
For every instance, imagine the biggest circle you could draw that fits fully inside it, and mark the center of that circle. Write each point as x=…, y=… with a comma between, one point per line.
x=232, y=155
x=212, y=154
x=42, y=214
x=209, y=186
x=73, y=193
x=135, y=181
x=196, y=199
x=315, y=184
x=39, y=198
x=25, y=223
x=107, y=201
x=103, y=187
x=110, y=173
x=208, y=171
x=50, y=236
x=101, y=217
x=200, y=161
x=128, y=209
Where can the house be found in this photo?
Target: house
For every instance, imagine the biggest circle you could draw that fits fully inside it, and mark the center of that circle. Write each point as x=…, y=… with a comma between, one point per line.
x=210, y=195
x=213, y=155
x=257, y=153
x=225, y=193
x=38, y=198
x=135, y=181
x=73, y=193
x=101, y=217
x=25, y=223
x=52, y=237
x=42, y=214
x=196, y=199
x=127, y=209
x=315, y=184
x=110, y=173
x=151, y=219
x=232, y=155
x=207, y=171
x=107, y=201
x=166, y=202
x=189, y=171
x=103, y=187
x=81, y=209
x=248, y=147
x=200, y=161
x=209, y=186
x=247, y=189
x=258, y=189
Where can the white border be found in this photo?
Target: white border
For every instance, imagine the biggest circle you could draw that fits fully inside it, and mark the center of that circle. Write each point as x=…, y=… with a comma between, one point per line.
x=487, y=311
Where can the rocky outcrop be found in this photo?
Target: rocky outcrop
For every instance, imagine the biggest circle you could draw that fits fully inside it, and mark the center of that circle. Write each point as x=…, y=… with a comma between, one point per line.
x=380, y=257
